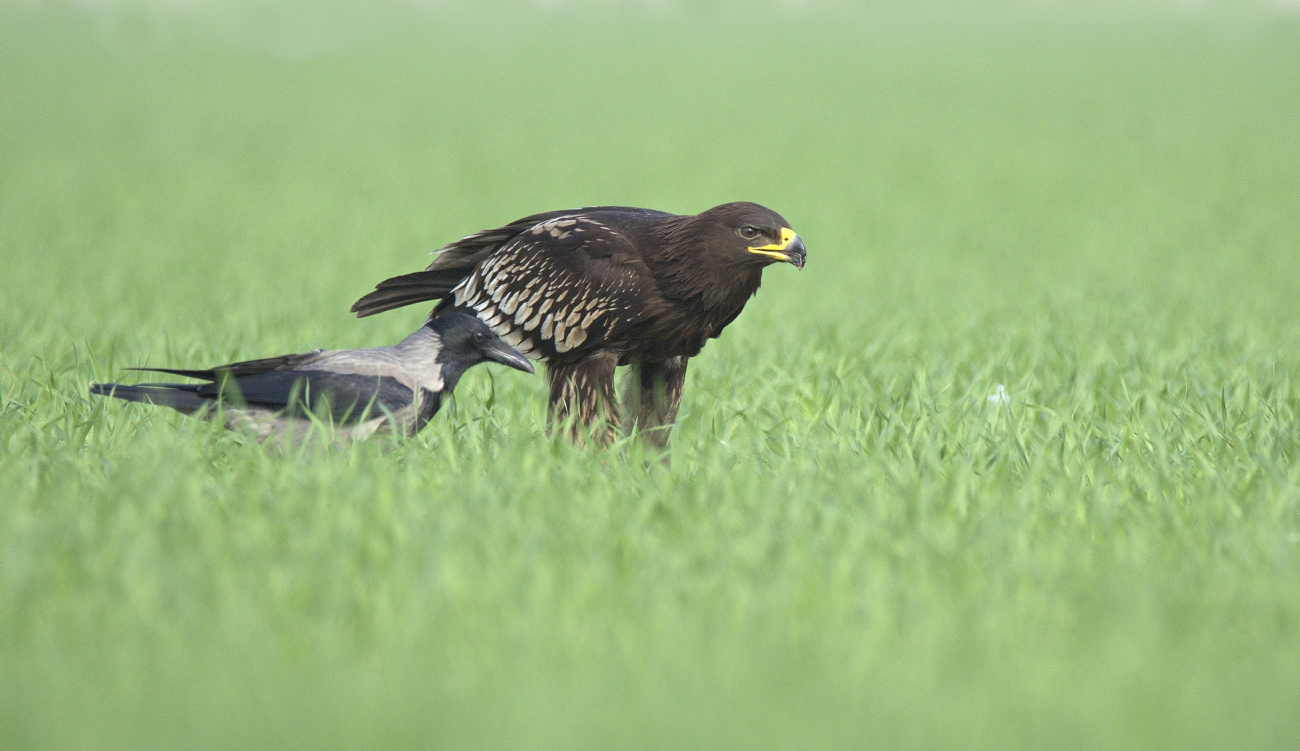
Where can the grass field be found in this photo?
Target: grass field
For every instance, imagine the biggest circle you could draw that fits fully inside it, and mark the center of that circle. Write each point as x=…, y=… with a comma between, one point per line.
x=855, y=546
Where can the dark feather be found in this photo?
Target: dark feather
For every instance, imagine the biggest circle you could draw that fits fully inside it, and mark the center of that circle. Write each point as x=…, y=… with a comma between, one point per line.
x=206, y=375
x=454, y=262
x=405, y=290
x=346, y=397
x=589, y=298
x=457, y=260
x=247, y=367
x=179, y=396
x=465, y=254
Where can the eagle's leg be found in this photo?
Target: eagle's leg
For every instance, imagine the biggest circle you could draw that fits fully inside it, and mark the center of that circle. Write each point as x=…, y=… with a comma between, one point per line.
x=582, y=393
x=654, y=392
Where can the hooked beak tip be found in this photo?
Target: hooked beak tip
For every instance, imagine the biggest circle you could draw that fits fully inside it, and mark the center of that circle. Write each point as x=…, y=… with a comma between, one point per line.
x=796, y=253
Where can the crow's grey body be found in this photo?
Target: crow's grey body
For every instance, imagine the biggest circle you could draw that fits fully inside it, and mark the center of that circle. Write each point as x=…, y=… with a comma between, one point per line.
x=396, y=388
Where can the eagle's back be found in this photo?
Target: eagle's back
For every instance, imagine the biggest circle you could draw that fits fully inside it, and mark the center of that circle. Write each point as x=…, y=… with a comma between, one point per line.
x=562, y=284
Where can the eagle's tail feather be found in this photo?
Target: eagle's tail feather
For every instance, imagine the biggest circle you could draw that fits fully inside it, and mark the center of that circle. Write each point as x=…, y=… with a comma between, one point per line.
x=408, y=289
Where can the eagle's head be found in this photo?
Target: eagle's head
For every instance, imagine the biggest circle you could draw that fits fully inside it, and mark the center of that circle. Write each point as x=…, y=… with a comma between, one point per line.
x=747, y=234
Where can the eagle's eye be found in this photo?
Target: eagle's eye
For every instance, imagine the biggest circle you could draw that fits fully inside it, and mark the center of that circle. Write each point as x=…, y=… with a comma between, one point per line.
x=749, y=233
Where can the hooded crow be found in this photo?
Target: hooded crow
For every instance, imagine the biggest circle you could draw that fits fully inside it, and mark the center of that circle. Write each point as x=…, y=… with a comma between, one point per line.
x=361, y=391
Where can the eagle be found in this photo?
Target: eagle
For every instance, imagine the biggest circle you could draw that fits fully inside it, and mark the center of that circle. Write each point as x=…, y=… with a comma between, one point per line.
x=397, y=388
x=587, y=290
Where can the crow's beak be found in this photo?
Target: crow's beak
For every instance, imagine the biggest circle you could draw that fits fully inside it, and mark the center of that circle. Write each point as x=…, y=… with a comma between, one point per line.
x=503, y=353
x=790, y=249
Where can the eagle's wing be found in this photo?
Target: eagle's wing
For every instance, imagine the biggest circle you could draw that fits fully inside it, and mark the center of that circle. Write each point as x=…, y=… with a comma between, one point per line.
x=465, y=253
x=453, y=263
x=564, y=286
x=456, y=260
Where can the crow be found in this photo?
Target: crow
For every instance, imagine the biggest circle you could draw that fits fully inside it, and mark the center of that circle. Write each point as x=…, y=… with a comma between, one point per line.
x=362, y=391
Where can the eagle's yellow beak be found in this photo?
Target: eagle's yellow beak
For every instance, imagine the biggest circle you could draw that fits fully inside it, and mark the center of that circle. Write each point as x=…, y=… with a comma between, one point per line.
x=790, y=249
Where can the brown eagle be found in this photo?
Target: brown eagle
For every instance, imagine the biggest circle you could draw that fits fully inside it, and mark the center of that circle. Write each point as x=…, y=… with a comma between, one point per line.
x=590, y=289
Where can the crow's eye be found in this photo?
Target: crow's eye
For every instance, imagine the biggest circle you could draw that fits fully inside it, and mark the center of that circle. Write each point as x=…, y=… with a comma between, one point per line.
x=480, y=337
x=749, y=233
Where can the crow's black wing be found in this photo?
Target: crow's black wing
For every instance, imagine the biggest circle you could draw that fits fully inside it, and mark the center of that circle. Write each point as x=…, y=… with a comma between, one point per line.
x=345, y=397
x=245, y=368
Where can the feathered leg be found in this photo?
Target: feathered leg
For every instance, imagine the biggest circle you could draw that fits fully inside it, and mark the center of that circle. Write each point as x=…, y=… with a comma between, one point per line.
x=584, y=393
x=654, y=392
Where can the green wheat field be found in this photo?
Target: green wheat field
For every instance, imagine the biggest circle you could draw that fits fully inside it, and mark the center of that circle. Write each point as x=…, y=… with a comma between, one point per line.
x=1014, y=463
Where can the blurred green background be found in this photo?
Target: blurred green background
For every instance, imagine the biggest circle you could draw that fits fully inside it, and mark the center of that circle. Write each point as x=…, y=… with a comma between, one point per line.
x=1010, y=464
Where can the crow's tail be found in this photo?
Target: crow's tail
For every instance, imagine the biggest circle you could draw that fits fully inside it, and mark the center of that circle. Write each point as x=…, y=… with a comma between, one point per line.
x=179, y=396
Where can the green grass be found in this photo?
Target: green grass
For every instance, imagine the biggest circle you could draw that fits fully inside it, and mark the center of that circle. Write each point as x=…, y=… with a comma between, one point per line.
x=854, y=547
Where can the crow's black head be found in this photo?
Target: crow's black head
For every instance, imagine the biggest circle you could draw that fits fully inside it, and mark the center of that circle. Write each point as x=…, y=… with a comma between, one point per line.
x=748, y=234
x=467, y=341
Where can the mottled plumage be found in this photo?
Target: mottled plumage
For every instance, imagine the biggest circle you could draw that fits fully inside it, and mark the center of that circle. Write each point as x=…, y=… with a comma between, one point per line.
x=361, y=391
x=589, y=289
